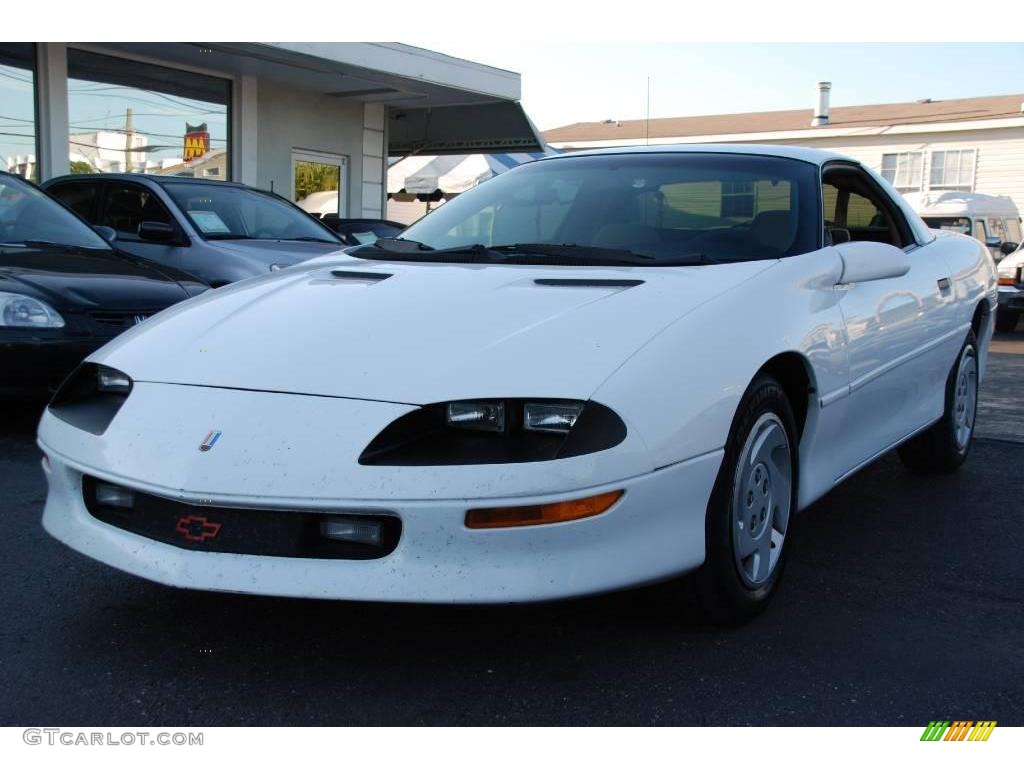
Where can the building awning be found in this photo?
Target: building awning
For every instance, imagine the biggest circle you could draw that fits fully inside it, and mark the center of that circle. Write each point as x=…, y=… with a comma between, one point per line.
x=463, y=129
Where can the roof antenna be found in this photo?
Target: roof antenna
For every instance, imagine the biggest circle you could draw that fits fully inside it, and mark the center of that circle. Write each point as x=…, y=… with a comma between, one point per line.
x=647, y=123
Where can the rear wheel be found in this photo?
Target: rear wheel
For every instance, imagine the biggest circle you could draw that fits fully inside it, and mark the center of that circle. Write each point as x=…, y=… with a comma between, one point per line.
x=750, y=514
x=945, y=445
x=1006, y=320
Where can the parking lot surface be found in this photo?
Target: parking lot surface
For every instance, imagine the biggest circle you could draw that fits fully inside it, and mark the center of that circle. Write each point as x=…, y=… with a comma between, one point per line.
x=902, y=604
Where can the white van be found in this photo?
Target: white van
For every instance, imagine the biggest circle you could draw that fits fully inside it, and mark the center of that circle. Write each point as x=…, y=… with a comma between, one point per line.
x=992, y=219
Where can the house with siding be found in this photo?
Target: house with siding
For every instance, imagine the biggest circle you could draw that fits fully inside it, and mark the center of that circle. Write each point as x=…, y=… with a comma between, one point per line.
x=970, y=145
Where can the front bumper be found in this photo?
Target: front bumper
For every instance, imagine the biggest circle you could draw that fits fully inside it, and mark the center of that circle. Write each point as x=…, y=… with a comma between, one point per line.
x=655, y=531
x=300, y=453
x=1011, y=297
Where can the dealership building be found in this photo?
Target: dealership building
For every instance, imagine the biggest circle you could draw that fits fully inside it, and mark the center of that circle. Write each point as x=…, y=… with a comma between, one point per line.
x=927, y=146
x=297, y=118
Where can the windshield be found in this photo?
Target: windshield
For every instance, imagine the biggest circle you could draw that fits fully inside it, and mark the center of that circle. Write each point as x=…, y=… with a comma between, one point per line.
x=952, y=223
x=222, y=212
x=661, y=208
x=29, y=217
x=366, y=232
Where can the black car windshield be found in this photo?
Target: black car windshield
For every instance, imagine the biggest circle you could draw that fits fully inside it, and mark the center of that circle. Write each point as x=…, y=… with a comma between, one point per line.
x=655, y=208
x=29, y=217
x=226, y=212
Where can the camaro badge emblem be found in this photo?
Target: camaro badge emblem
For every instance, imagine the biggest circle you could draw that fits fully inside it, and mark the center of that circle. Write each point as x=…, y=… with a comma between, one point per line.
x=196, y=528
x=210, y=440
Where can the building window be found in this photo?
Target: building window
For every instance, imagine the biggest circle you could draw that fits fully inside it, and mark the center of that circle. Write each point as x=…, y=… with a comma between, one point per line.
x=18, y=137
x=952, y=169
x=133, y=117
x=738, y=199
x=903, y=170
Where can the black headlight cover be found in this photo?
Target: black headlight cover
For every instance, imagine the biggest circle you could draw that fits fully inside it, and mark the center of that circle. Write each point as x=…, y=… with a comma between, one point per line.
x=80, y=402
x=424, y=438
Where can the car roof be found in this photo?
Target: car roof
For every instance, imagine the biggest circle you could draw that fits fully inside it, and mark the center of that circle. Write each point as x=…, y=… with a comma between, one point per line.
x=145, y=177
x=955, y=203
x=807, y=154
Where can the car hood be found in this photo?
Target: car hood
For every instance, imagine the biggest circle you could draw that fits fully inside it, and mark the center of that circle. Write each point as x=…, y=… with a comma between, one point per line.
x=419, y=333
x=87, y=280
x=267, y=252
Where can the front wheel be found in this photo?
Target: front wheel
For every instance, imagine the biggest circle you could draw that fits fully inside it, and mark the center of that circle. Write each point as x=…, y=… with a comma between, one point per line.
x=944, y=446
x=751, y=510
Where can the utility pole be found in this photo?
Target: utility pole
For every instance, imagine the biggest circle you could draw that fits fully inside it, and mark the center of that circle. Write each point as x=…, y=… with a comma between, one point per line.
x=647, y=122
x=129, y=133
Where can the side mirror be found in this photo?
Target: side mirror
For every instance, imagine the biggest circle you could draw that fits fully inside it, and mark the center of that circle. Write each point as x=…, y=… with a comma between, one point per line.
x=993, y=242
x=865, y=261
x=1007, y=248
x=107, y=233
x=156, y=231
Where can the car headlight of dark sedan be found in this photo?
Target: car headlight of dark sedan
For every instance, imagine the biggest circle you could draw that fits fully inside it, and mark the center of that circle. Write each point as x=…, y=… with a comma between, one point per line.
x=91, y=396
x=495, y=431
x=18, y=311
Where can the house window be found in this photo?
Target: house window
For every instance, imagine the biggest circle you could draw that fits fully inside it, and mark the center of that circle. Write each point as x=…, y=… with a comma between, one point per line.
x=17, y=95
x=738, y=199
x=952, y=169
x=902, y=170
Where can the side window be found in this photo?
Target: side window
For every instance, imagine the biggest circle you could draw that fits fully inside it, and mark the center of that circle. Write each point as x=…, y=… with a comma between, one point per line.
x=79, y=197
x=995, y=226
x=1013, y=231
x=128, y=206
x=855, y=210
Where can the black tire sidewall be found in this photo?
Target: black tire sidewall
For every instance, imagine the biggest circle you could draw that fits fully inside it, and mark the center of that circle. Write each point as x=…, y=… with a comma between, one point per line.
x=719, y=583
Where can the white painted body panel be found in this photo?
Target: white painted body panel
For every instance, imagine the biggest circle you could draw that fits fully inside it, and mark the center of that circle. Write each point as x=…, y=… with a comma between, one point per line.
x=301, y=369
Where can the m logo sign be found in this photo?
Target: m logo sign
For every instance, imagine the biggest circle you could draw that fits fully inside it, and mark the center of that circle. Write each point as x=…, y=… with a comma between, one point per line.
x=959, y=730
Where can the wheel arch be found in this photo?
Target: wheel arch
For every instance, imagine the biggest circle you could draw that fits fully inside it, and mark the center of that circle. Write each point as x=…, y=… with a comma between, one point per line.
x=794, y=372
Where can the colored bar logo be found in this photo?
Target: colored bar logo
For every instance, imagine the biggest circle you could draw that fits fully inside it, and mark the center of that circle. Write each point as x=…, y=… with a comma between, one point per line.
x=958, y=730
x=209, y=440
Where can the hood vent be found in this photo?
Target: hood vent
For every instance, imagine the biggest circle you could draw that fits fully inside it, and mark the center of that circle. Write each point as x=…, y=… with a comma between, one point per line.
x=369, y=277
x=587, y=282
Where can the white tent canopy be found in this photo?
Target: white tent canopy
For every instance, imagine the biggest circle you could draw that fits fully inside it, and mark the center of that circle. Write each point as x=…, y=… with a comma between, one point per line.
x=451, y=174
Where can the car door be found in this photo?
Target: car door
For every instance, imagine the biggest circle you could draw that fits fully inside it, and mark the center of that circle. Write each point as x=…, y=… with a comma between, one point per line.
x=126, y=205
x=894, y=326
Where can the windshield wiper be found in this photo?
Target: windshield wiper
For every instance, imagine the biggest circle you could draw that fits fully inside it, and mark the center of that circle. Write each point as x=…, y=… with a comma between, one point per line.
x=231, y=236
x=306, y=239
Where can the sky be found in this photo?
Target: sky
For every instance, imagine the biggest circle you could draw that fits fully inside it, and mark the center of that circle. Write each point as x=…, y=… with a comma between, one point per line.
x=569, y=82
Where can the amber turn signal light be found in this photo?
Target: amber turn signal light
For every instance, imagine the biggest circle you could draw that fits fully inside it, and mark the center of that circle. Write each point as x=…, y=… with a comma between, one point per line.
x=1006, y=281
x=541, y=514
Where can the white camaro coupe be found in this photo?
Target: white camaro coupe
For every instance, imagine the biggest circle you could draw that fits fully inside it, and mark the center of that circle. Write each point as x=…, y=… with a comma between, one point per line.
x=594, y=371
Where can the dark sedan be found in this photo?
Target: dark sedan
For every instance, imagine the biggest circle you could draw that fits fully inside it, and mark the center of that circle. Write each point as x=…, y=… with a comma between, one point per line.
x=64, y=291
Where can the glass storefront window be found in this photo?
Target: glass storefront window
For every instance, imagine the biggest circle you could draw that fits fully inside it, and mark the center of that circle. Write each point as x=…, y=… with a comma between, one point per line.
x=133, y=117
x=18, y=109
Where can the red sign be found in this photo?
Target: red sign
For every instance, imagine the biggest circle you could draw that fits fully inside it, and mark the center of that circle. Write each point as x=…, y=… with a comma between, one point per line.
x=197, y=141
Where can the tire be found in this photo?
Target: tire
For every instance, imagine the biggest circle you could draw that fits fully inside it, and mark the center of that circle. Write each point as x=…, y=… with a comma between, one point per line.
x=749, y=523
x=1006, y=320
x=943, y=447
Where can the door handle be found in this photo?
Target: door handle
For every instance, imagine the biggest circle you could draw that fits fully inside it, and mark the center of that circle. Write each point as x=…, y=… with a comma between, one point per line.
x=944, y=284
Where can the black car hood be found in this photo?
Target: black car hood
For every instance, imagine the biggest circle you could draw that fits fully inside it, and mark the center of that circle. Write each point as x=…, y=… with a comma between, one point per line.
x=68, y=279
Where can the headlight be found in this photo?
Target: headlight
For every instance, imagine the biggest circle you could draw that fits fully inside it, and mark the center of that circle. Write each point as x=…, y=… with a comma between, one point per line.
x=17, y=311
x=495, y=432
x=91, y=396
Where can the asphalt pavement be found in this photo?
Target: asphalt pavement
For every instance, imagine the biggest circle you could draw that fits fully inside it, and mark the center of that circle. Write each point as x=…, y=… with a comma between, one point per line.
x=902, y=604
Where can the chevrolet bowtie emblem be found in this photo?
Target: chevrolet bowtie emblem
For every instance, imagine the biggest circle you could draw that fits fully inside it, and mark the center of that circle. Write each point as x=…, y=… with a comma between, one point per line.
x=196, y=528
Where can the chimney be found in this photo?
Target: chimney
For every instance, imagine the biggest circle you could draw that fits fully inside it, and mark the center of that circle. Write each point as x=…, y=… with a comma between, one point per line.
x=821, y=110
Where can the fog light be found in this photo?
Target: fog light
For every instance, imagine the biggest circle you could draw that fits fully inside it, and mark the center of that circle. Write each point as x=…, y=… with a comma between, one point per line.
x=487, y=415
x=352, y=530
x=114, y=496
x=541, y=514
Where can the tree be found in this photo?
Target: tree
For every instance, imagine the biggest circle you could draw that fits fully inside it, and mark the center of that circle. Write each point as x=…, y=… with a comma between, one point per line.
x=81, y=166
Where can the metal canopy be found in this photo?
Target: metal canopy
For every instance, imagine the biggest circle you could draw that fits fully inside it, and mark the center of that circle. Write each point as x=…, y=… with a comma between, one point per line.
x=460, y=130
